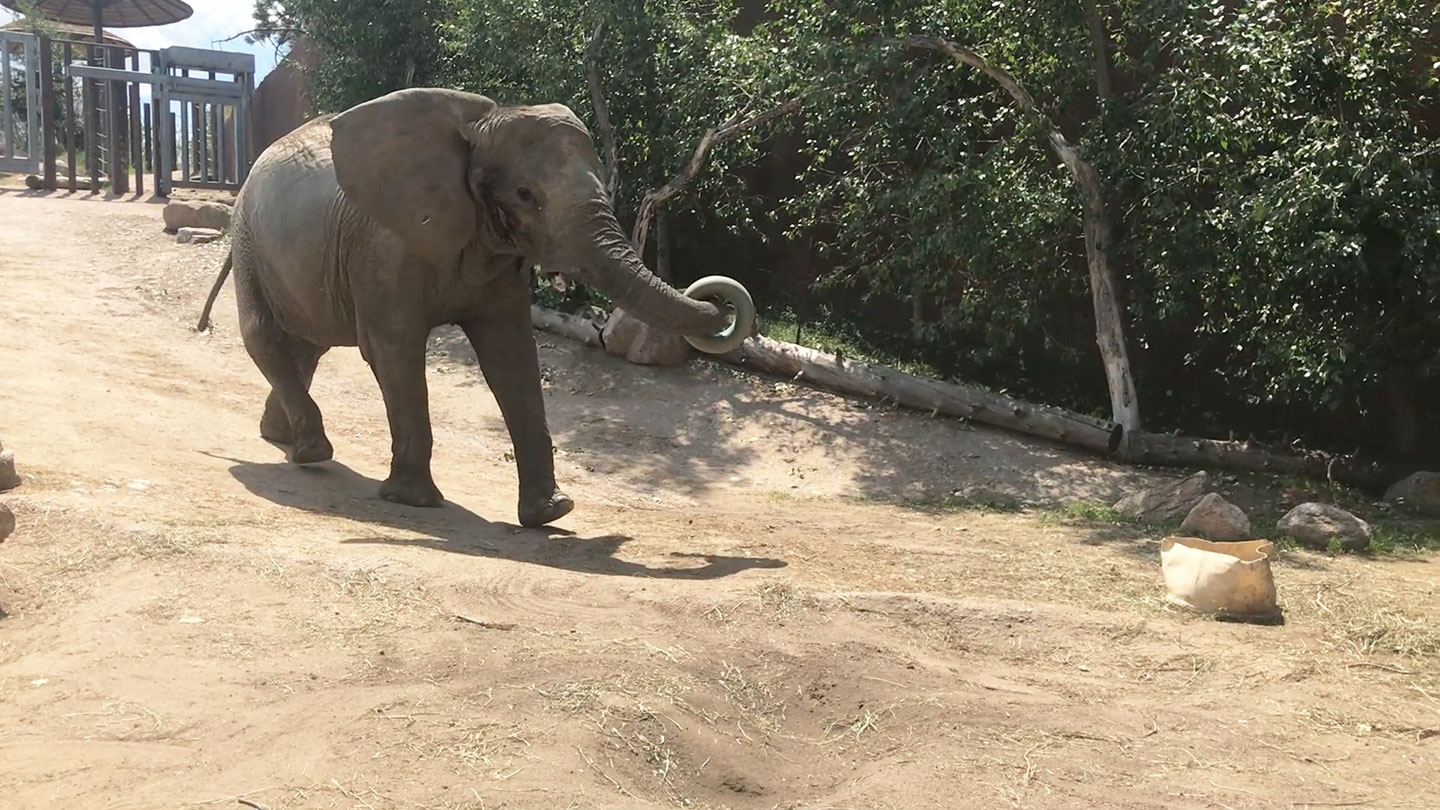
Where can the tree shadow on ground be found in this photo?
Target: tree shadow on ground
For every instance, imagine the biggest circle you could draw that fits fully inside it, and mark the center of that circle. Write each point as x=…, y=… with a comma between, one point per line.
x=703, y=426
x=334, y=489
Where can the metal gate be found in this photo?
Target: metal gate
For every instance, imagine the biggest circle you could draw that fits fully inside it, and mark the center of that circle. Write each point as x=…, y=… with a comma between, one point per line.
x=20, y=146
x=207, y=96
x=201, y=122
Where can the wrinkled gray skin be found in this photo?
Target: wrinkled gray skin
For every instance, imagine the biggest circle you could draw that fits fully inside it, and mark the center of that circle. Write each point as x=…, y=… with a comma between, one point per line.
x=421, y=208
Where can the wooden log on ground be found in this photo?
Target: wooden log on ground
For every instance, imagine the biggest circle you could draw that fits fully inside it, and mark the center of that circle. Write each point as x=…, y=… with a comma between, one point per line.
x=790, y=361
x=968, y=402
x=571, y=326
x=1170, y=450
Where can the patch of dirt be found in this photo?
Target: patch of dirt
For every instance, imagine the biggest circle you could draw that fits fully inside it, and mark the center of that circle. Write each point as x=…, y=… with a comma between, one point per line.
x=733, y=617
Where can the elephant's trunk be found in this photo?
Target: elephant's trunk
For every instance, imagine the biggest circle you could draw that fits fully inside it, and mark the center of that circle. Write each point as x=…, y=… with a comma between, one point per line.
x=617, y=271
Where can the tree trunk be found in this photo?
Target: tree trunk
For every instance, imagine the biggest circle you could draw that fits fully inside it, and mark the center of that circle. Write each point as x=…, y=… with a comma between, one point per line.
x=868, y=380
x=1100, y=44
x=1109, y=316
x=662, y=246
x=602, y=113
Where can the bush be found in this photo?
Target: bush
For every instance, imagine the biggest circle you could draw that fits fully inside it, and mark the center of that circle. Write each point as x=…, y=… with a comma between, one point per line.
x=1271, y=167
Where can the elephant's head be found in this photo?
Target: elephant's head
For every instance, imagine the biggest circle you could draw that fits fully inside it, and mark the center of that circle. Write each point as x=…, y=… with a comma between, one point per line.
x=447, y=170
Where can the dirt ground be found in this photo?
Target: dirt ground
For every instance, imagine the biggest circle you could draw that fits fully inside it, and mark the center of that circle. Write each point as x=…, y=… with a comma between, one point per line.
x=737, y=615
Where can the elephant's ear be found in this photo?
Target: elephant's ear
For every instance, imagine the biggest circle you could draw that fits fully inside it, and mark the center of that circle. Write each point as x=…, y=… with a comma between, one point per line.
x=403, y=160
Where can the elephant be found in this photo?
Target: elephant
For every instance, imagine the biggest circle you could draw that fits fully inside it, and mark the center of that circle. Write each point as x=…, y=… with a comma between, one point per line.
x=422, y=208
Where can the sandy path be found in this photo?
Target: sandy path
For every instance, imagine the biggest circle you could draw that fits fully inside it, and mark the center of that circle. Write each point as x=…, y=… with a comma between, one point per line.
x=719, y=624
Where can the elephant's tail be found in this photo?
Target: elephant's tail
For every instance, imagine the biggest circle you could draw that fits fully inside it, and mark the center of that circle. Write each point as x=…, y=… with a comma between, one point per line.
x=214, y=293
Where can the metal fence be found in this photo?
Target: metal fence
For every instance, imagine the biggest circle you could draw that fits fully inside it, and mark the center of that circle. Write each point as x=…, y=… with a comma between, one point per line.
x=88, y=102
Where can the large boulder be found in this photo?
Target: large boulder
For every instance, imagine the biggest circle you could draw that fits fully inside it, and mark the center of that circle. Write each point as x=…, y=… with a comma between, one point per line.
x=7, y=522
x=1316, y=524
x=1215, y=518
x=9, y=478
x=196, y=214
x=631, y=338
x=1419, y=490
x=1166, y=503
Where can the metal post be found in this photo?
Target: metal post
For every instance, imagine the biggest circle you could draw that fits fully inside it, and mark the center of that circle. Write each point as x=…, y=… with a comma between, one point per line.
x=7, y=137
x=137, y=138
x=69, y=117
x=47, y=109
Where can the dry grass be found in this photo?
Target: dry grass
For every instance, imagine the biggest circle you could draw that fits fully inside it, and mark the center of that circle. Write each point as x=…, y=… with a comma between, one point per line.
x=459, y=734
x=773, y=601
x=58, y=549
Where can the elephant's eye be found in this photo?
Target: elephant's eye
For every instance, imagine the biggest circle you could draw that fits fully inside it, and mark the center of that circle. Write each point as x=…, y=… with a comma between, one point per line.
x=525, y=194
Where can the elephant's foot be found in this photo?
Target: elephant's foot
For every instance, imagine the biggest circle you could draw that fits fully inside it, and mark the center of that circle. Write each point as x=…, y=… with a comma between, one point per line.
x=311, y=450
x=539, y=510
x=411, y=490
x=275, y=425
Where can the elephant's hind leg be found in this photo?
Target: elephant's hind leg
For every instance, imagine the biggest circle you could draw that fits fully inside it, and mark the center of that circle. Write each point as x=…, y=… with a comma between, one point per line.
x=275, y=424
x=288, y=363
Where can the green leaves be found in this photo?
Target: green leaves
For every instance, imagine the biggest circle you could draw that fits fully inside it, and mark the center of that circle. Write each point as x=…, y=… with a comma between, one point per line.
x=1272, y=167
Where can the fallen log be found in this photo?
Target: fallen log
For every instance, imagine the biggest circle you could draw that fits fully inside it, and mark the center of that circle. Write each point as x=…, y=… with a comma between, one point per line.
x=832, y=373
x=952, y=399
x=571, y=326
x=1168, y=450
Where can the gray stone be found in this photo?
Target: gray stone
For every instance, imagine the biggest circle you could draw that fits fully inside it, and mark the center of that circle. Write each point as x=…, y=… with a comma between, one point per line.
x=196, y=236
x=1420, y=491
x=9, y=478
x=1215, y=518
x=197, y=214
x=1316, y=524
x=639, y=342
x=7, y=522
x=1166, y=503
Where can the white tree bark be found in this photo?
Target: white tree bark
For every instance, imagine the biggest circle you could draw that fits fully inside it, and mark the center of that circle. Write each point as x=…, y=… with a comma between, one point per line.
x=1109, y=316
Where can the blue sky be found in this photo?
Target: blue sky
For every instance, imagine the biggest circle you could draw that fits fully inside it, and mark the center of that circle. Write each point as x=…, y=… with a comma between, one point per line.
x=213, y=21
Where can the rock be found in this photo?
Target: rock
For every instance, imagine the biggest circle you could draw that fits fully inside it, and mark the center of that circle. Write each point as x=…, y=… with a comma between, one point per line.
x=7, y=522
x=1316, y=524
x=1167, y=502
x=1215, y=518
x=1419, y=490
x=197, y=214
x=639, y=342
x=196, y=236
x=9, y=478
x=33, y=182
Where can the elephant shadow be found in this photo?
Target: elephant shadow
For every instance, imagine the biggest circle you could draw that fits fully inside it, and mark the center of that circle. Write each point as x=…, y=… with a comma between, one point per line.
x=334, y=489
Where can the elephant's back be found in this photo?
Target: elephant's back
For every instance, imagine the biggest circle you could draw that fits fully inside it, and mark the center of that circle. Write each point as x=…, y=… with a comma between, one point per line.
x=306, y=146
x=290, y=185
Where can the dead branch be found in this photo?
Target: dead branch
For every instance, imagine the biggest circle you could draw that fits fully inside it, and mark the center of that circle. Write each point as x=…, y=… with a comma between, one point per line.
x=602, y=113
x=1109, y=320
x=733, y=128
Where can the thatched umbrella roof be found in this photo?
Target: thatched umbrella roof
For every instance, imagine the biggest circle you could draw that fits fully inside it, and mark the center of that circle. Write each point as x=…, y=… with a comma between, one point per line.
x=81, y=33
x=117, y=13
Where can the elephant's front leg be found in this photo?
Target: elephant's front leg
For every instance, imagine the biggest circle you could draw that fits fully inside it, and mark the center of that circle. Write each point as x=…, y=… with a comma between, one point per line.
x=504, y=342
x=395, y=351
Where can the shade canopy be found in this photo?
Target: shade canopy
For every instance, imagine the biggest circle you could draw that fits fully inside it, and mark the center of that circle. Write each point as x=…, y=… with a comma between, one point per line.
x=117, y=13
x=69, y=31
